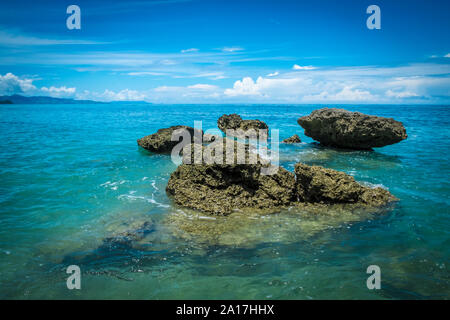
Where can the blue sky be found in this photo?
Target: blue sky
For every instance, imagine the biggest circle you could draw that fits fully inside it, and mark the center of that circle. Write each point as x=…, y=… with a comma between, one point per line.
x=197, y=51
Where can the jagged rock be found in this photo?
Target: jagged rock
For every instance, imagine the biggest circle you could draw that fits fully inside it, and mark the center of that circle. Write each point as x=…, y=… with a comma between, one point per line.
x=353, y=130
x=223, y=187
x=294, y=139
x=220, y=189
x=234, y=121
x=207, y=154
x=320, y=185
x=160, y=142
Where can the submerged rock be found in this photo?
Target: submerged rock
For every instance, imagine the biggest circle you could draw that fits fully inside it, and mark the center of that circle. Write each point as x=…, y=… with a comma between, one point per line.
x=160, y=142
x=320, y=185
x=248, y=228
x=235, y=122
x=294, y=139
x=129, y=236
x=353, y=130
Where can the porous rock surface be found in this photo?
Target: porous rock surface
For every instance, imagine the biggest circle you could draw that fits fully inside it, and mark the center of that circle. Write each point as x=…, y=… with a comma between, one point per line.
x=353, y=130
x=235, y=122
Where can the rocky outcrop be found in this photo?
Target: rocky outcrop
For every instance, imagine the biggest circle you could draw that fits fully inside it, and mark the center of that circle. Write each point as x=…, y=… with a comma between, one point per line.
x=353, y=130
x=294, y=139
x=235, y=122
x=160, y=142
x=320, y=185
x=221, y=189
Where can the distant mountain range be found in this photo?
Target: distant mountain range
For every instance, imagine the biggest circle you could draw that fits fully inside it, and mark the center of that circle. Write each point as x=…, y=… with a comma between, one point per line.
x=18, y=99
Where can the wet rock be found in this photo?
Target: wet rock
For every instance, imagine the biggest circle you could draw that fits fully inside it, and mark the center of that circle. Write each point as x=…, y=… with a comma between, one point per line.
x=221, y=188
x=353, y=130
x=235, y=122
x=223, y=151
x=160, y=142
x=294, y=139
x=319, y=185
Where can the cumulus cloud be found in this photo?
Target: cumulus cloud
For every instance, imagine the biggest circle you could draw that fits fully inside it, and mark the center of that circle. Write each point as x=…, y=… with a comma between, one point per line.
x=284, y=89
x=12, y=84
x=447, y=55
x=59, y=92
x=410, y=83
x=297, y=67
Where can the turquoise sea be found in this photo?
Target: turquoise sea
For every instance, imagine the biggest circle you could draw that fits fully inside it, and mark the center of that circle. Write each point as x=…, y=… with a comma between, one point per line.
x=72, y=176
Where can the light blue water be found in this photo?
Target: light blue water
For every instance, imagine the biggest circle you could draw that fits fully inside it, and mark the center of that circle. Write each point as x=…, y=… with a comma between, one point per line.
x=73, y=175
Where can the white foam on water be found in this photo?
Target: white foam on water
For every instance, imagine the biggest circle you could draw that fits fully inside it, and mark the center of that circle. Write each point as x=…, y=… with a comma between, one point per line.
x=131, y=197
x=373, y=185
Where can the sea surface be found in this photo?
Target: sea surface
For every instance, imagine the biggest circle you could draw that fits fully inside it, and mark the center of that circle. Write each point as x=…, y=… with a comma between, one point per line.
x=73, y=180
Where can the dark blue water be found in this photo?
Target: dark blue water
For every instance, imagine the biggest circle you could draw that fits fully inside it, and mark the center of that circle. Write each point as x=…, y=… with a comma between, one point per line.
x=72, y=176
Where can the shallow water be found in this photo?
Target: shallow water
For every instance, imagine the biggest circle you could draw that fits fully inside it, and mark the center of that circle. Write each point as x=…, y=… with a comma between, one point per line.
x=72, y=176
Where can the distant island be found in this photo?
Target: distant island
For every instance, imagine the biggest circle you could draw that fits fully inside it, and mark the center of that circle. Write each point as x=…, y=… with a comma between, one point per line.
x=19, y=99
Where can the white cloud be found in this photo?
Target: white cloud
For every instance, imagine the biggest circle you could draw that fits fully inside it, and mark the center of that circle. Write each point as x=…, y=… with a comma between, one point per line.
x=232, y=49
x=297, y=67
x=244, y=87
x=266, y=88
x=347, y=94
x=12, y=84
x=201, y=86
x=273, y=74
x=59, y=92
x=189, y=50
x=110, y=95
x=411, y=83
x=401, y=94
x=8, y=38
x=146, y=73
x=439, y=56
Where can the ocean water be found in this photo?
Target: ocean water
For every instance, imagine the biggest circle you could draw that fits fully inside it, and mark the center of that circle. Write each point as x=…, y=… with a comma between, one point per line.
x=72, y=177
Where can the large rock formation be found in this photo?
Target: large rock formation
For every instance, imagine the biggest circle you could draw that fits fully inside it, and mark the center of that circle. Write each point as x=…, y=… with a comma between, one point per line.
x=353, y=130
x=223, y=188
x=294, y=139
x=220, y=189
x=234, y=121
x=160, y=142
x=320, y=185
